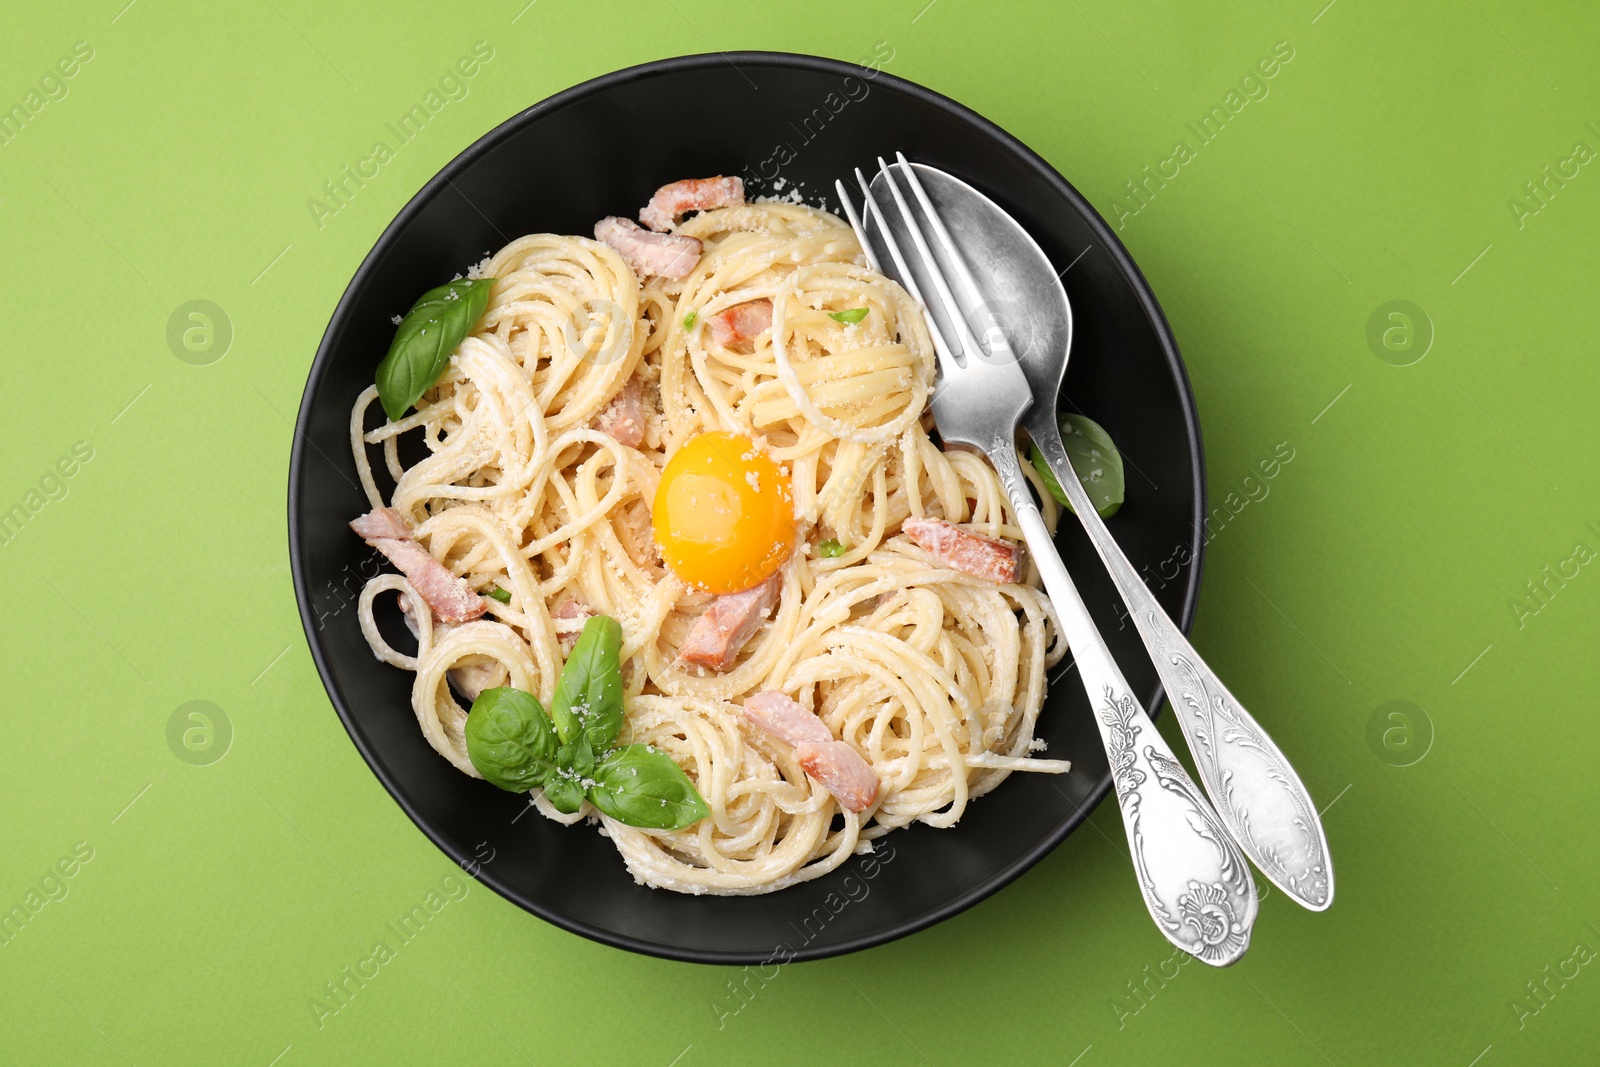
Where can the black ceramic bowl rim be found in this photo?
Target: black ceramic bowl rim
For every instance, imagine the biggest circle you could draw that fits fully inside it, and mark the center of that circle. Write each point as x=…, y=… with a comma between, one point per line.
x=454, y=169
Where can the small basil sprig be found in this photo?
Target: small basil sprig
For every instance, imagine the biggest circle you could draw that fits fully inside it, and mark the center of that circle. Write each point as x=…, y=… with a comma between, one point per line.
x=570, y=753
x=830, y=549
x=427, y=337
x=1095, y=460
x=853, y=315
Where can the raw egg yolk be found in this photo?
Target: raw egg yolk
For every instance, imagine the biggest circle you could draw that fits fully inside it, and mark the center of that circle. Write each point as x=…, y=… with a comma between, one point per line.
x=723, y=515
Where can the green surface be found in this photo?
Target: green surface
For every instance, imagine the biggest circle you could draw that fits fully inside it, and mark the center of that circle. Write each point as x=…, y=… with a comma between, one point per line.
x=1383, y=563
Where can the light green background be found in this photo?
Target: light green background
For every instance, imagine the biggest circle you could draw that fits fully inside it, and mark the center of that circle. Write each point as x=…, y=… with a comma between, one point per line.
x=1380, y=566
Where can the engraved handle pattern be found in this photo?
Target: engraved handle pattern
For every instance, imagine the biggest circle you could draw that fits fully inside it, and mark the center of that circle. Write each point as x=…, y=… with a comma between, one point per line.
x=1193, y=878
x=1254, y=786
x=1257, y=792
x=1209, y=916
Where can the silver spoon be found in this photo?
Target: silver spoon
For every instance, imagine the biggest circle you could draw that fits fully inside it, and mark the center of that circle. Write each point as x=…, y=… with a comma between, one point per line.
x=1257, y=792
x=1194, y=879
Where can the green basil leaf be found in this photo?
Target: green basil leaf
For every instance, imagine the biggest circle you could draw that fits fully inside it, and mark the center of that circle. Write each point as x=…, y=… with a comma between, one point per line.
x=643, y=787
x=1095, y=460
x=499, y=594
x=830, y=549
x=588, y=697
x=509, y=739
x=577, y=757
x=851, y=316
x=427, y=336
x=688, y=320
x=564, y=791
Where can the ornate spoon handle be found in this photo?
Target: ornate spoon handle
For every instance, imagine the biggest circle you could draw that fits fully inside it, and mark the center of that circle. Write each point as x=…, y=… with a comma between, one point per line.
x=1194, y=880
x=1257, y=792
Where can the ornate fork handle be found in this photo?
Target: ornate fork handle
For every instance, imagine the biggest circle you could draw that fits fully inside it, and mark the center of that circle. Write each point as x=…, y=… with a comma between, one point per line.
x=1193, y=878
x=1257, y=792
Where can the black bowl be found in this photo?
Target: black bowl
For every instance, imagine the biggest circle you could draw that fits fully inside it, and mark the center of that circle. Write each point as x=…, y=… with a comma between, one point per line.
x=600, y=149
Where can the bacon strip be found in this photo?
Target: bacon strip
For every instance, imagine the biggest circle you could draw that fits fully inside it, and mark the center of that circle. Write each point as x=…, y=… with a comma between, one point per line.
x=785, y=719
x=841, y=770
x=451, y=599
x=723, y=628
x=648, y=253
x=969, y=552
x=382, y=522
x=623, y=418
x=691, y=194
x=742, y=322
x=568, y=610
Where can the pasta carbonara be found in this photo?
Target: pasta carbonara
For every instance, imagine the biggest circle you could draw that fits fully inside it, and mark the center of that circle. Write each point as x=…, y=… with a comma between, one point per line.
x=545, y=445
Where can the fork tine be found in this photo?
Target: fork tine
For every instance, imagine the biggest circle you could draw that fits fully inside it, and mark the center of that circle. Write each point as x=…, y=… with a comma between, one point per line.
x=999, y=345
x=855, y=224
x=869, y=204
x=870, y=207
x=952, y=310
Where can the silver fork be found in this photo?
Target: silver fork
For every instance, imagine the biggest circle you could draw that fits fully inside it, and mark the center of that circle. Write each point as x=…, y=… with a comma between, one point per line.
x=1191, y=874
